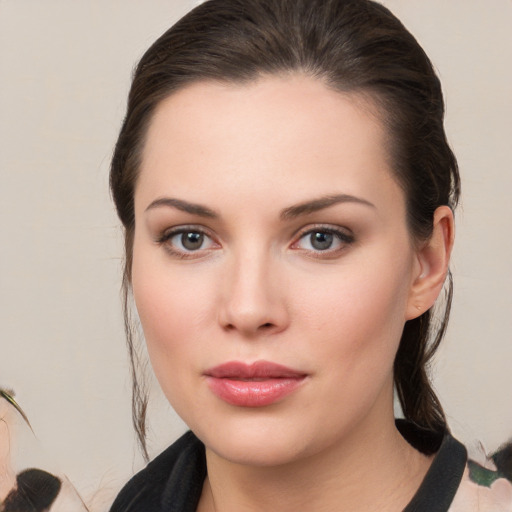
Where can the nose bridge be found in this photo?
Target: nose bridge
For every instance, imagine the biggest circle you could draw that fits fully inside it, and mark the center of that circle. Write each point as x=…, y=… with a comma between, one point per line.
x=253, y=301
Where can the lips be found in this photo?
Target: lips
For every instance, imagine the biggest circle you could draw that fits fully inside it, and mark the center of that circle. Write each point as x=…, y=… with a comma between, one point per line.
x=256, y=385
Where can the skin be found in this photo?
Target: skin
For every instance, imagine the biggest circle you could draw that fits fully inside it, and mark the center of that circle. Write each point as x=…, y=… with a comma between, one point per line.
x=257, y=289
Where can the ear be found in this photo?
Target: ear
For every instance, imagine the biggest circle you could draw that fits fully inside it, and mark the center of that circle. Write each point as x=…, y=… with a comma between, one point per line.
x=431, y=268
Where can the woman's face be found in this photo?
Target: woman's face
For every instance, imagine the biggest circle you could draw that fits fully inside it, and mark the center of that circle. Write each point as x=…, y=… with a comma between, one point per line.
x=269, y=230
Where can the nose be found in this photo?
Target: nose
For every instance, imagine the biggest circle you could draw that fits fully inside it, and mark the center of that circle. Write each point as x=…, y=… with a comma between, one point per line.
x=253, y=301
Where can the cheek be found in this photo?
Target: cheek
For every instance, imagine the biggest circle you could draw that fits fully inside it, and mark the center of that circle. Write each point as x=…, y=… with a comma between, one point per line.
x=164, y=327
x=356, y=300
x=359, y=313
x=162, y=306
x=172, y=309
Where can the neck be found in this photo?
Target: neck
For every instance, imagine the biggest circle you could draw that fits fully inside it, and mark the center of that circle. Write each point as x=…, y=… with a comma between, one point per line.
x=372, y=469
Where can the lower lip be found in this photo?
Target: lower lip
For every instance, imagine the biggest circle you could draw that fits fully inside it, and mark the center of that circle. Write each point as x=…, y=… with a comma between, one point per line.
x=253, y=393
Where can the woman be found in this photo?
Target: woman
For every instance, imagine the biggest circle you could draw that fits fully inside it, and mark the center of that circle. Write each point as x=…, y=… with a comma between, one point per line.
x=286, y=189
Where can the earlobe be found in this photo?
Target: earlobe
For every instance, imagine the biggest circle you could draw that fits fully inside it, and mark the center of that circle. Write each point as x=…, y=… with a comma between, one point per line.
x=433, y=260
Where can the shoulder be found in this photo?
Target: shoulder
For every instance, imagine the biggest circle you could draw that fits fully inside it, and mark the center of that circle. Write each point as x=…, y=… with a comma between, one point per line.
x=487, y=486
x=178, y=471
x=455, y=483
x=475, y=496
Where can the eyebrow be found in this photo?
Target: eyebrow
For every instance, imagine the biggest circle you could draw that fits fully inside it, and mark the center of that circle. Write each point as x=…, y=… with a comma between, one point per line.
x=320, y=204
x=184, y=206
x=291, y=212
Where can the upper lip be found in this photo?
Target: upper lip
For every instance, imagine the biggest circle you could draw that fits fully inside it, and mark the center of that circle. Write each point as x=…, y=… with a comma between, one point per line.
x=256, y=370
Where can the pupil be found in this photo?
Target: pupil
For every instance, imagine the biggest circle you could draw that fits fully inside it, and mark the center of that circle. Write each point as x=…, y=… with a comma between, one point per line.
x=321, y=241
x=192, y=241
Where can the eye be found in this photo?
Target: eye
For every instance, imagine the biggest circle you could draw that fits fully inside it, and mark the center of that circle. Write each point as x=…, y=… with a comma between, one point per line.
x=189, y=240
x=185, y=241
x=322, y=239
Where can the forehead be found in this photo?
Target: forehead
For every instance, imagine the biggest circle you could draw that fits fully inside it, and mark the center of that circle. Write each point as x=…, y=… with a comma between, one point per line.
x=290, y=131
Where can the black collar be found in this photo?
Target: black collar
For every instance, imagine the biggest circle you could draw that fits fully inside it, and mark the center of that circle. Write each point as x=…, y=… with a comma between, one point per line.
x=443, y=478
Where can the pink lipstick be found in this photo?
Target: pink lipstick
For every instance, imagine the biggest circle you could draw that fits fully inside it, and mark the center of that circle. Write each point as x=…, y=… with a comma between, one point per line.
x=255, y=385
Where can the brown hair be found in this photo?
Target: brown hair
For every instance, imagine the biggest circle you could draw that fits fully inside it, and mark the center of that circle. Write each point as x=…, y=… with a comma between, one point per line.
x=352, y=46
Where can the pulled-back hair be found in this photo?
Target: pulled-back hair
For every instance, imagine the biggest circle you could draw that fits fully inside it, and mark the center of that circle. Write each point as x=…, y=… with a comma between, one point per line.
x=353, y=46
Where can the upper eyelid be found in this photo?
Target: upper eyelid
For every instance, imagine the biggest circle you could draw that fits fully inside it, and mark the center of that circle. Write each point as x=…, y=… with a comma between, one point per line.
x=184, y=228
x=331, y=228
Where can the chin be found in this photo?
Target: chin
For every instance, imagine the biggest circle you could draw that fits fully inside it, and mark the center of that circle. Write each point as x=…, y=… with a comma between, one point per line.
x=260, y=440
x=254, y=452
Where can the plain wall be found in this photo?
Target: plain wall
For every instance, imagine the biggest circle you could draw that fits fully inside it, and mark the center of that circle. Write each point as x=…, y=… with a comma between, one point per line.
x=64, y=76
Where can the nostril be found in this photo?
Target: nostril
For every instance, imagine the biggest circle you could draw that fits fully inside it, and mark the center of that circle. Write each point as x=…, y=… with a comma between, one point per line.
x=266, y=326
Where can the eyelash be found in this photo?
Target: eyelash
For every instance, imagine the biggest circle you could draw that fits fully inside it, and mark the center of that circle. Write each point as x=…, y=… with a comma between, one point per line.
x=343, y=238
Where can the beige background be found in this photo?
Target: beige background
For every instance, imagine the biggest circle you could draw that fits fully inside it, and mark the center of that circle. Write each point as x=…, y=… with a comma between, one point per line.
x=65, y=69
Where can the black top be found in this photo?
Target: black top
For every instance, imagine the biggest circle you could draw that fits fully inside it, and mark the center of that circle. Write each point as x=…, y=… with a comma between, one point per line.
x=173, y=481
